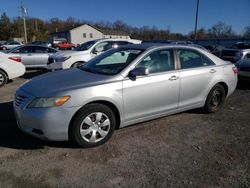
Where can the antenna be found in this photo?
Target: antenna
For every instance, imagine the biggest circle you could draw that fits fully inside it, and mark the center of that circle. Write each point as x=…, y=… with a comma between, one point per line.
x=23, y=12
x=196, y=19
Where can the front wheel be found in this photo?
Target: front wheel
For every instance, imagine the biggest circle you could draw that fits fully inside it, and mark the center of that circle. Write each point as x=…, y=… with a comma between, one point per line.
x=3, y=78
x=93, y=126
x=215, y=99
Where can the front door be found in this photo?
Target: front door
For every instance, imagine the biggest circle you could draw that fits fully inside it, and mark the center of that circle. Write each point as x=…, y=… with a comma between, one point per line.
x=153, y=94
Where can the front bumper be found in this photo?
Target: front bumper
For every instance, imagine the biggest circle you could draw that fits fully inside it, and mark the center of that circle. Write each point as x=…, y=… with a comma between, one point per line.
x=44, y=123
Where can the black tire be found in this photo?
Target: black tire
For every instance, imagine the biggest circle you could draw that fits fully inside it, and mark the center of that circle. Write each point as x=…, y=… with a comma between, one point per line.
x=90, y=113
x=77, y=64
x=3, y=78
x=215, y=99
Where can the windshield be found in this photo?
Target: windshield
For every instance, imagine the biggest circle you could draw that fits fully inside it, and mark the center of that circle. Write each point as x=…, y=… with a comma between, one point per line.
x=85, y=46
x=112, y=62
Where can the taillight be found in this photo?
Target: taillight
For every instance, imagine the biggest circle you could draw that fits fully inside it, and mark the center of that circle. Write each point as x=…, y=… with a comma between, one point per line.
x=235, y=70
x=16, y=59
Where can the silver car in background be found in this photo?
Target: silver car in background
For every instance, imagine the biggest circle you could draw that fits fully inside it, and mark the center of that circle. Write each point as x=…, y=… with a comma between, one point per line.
x=122, y=86
x=33, y=56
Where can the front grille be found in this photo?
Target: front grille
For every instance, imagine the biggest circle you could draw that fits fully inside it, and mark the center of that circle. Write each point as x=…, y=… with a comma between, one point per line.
x=50, y=60
x=20, y=99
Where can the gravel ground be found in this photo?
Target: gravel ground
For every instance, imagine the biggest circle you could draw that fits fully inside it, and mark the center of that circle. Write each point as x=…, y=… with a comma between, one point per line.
x=189, y=149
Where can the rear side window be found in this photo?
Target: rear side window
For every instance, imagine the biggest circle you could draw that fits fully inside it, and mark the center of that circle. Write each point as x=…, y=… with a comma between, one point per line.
x=192, y=59
x=39, y=49
x=23, y=50
x=50, y=50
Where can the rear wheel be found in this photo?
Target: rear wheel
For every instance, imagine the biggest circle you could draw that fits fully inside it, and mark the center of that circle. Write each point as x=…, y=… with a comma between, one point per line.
x=93, y=126
x=215, y=99
x=3, y=78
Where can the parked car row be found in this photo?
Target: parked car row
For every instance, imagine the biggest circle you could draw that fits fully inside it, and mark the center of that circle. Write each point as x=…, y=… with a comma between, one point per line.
x=85, y=52
x=9, y=45
x=123, y=86
x=42, y=56
x=33, y=56
x=239, y=54
x=110, y=85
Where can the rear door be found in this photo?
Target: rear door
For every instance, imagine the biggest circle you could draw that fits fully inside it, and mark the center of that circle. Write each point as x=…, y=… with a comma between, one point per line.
x=197, y=73
x=40, y=56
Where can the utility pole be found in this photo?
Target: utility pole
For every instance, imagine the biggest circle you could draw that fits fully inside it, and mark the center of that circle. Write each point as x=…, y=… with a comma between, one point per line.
x=23, y=12
x=196, y=19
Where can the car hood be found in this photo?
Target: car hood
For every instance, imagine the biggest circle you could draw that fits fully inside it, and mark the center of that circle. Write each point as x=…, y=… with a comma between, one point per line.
x=54, y=83
x=68, y=53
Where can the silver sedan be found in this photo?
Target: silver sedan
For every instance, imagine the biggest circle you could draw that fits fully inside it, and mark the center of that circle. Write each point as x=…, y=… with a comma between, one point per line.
x=123, y=86
x=33, y=56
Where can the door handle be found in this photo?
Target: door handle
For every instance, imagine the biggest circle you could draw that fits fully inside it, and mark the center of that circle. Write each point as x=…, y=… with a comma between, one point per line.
x=212, y=71
x=174, y=78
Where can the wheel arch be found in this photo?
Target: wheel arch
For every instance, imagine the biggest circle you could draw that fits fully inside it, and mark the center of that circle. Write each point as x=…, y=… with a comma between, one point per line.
x=225, y=86
x=112, y=106
x=4, y=72
x=77, y=62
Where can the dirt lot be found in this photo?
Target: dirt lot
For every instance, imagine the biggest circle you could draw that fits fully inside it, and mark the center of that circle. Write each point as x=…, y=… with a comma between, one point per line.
x=190, y=149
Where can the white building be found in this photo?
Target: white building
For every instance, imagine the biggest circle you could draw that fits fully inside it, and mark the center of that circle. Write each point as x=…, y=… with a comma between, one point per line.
x=88, y=32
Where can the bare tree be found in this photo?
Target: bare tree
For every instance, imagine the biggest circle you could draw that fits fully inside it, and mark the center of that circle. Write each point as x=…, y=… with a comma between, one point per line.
x=247, y=32
x=221, y=30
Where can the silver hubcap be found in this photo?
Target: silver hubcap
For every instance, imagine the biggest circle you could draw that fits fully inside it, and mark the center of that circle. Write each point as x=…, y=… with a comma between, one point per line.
x=1, y=79
x=95, y=127
x=216, y=98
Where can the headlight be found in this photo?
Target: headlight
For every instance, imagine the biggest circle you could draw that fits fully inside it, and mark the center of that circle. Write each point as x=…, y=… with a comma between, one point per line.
x=48, y=102
x=61, y=59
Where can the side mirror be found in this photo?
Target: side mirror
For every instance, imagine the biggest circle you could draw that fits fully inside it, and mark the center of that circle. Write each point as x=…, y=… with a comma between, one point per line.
x=140, y=71
x=94, y=51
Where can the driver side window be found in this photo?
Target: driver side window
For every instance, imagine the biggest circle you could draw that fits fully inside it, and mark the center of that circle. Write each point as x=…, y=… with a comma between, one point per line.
x=158, y=61
x=103, y=46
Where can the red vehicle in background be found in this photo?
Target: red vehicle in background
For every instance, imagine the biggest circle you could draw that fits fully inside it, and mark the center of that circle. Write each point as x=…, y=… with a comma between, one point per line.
x=64, y=45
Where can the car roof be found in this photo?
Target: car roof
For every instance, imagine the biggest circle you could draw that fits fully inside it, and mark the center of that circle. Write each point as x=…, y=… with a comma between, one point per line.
x=36, y=45
x=146, y=46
